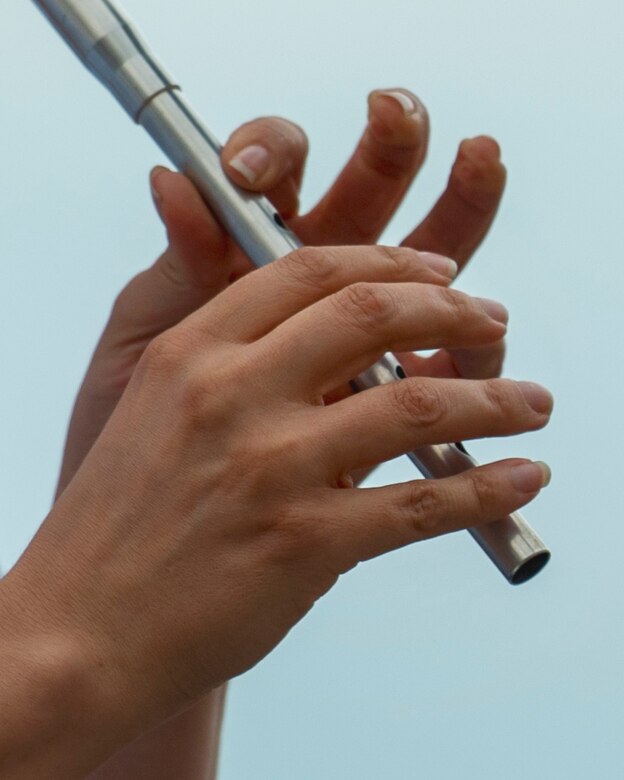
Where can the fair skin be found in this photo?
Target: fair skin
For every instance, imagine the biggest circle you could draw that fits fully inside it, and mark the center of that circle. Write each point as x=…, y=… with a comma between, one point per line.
x=221, y=472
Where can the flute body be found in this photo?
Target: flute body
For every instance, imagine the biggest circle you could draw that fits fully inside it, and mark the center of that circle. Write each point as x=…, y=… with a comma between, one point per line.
x=99, y=33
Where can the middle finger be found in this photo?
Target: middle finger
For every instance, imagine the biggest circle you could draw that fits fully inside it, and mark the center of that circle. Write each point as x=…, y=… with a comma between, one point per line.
x=385, y=422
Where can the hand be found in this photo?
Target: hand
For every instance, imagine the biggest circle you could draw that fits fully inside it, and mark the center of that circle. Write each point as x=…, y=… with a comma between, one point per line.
x=201, y=260
x=208, y=517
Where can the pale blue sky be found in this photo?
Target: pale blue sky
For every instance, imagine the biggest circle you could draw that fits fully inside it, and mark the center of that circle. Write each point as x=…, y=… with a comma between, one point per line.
x=424, y=664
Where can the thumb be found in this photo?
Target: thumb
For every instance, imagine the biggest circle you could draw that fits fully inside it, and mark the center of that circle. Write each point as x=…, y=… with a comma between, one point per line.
x=268, y=155
x=193, y=269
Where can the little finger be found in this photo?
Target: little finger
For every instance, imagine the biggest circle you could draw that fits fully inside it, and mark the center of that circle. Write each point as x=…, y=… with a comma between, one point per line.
x=373, y=521
x=387, y=421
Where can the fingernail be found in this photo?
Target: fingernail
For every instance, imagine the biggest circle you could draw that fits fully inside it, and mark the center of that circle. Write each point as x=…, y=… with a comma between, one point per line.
x=251, y=162
x=494, y=309
x=440, y=264
x=538, y=398
x=409, y=105
x=154, y=175
x=531, y=477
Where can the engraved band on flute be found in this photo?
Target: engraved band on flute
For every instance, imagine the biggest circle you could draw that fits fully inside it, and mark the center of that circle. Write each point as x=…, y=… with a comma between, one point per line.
x=99, y=33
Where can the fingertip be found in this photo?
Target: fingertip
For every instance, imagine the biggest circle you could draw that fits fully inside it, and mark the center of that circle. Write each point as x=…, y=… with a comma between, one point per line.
x=397, y=116
x=481, y=147
x=479, y=160
x=168, y=187
x=248, y=166
x=397, y=102
x=494, y=309
x=440, y=264
x=530, y=476
x=478, y=172
x=263, y=153
x=155, y=188
x=192, y=230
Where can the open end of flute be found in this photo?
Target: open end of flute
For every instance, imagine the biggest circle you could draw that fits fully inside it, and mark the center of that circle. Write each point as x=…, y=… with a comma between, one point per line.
x=530, y=568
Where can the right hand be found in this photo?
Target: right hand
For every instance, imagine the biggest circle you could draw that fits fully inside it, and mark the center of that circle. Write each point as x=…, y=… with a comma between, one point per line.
x=211, y=513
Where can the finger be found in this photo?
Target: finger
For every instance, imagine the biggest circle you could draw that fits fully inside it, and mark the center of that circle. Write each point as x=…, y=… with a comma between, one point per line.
x=372, y=521
x=268, y=155
x=335, y=339
x=265, y=298
x=461, y=218
x=193, y=269
x=366, y=194
x=476, y=363
x=387, y=421
x=198, y=247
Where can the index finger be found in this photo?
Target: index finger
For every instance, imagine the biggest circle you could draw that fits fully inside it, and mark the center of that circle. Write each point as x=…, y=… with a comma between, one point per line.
x=262, y=300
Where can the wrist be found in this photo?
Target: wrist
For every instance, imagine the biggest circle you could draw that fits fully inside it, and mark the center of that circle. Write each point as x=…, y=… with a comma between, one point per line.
x=55, y=715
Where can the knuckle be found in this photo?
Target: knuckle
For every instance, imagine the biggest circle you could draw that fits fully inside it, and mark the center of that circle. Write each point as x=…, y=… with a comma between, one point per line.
x=459, y=305
x=206, y=394
x=288, y=448
x=292, y=531
x=367, y=305
x=196, y=396
x=401, y=260
x=164, y=355
x=484, y=493
x=423, y=506
x=397, y=156
x=272, y=457
x=420, y=401
x=503, y=396
x=312, y=266
x=298, y=536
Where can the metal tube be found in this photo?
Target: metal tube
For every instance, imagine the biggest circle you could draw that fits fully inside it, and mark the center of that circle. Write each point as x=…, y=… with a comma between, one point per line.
x=101, y=36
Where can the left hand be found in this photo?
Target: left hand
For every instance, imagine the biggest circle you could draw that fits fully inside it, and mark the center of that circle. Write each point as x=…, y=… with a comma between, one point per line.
x=201, y=260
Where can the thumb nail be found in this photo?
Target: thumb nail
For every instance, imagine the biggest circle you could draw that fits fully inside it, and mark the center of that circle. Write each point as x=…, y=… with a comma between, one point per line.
x=252, y=162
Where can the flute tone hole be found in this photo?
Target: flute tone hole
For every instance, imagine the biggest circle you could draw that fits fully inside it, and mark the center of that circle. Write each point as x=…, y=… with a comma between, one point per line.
x=400, y=372
x=279, y=221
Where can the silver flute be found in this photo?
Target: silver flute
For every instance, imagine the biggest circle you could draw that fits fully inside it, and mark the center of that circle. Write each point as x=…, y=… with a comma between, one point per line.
x=100, y=34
